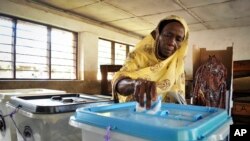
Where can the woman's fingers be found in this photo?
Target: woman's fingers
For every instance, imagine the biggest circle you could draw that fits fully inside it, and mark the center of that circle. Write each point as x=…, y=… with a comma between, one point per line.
x=137, y=91
x=142, y=88
x=141, y=93
x=153, y=91
x=148, y=94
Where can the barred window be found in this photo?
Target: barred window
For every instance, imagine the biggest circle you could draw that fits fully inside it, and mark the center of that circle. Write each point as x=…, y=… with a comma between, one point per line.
x=120, y=53
x=31, y=51
x=63, y=54
x=104, y=55
x=111, y=53
x=6, y=47
x=34, y=51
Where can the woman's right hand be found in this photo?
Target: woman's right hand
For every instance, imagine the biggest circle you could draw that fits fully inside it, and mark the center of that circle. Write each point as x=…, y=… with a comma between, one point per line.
x=139, y=88
x=144, y=88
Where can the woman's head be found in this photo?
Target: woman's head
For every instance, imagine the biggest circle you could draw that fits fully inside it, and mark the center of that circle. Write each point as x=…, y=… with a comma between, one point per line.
x=170, y=34
x=170, y=37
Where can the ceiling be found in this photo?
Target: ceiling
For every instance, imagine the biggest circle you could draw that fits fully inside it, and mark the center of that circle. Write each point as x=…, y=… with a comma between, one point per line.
x=140, y=17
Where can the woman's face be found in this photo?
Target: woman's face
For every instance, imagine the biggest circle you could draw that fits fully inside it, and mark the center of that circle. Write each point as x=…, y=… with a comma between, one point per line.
x=170, y=39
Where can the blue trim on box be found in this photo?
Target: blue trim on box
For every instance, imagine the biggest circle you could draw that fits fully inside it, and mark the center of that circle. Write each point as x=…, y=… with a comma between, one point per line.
x=197, y=126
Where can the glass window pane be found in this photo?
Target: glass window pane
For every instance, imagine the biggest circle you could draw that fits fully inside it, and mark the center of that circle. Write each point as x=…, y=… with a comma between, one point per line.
x=6, y=65
x=5, y=57
x=62, y=48
x=6, y=22
x=104, y=55
x=31, y=27
x=6, y=54
x=63, y=54
x=31, y=67
x=6, y=31
x=62, y=37
x=5, y=39
x=6, y=73
x=32, y=35
x=5, y=48
x=62, y=62
x=31, y=51
x=104, y=52
x=6, y=70
x=120, y=53
x=32, y=71
x=31, y=43
x=31, y=59
x=68, y=69
x=32, y=74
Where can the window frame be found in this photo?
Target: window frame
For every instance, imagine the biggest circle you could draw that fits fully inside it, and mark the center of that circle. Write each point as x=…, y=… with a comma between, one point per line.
x=113, y=49
x=112, y=54
x=49, y=27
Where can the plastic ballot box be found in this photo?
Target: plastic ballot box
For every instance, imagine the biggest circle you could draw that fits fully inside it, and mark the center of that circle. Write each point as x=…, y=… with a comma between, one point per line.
x=45, y=117
x=7, y=131
x=173, y=122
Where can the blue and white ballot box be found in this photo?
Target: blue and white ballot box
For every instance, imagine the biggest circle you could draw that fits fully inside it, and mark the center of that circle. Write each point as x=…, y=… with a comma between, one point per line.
x=46, y=117
x=173, y=122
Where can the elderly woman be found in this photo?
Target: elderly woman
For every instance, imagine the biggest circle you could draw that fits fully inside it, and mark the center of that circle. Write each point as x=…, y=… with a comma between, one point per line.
x=156, y=66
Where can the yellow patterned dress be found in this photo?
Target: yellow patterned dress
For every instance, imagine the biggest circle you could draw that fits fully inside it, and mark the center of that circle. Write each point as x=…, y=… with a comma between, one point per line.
x=143, y=62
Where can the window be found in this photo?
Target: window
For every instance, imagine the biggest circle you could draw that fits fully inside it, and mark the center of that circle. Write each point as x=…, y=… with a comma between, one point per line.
x=33, y=51
x=120, y=53
x=104, y=56
x=6, y=48
x=63, y=54
x=111, y=53
x=104, y=52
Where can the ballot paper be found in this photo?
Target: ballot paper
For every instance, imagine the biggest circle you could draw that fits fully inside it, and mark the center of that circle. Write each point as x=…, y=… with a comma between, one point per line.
x=154, y=108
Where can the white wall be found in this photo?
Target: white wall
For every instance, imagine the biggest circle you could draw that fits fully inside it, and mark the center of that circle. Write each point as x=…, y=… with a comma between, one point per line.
x=220, y=40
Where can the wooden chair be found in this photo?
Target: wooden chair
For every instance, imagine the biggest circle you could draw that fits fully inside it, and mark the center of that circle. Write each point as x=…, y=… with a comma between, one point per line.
x=105, y=84
x=200, y=55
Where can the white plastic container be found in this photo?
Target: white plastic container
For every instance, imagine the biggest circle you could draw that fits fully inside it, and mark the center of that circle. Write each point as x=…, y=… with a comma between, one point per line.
x=45, y=118
x=7, y=130
x=174, y=122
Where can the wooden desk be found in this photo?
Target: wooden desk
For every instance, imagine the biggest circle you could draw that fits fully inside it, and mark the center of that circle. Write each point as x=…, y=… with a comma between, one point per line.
x=104, y=82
